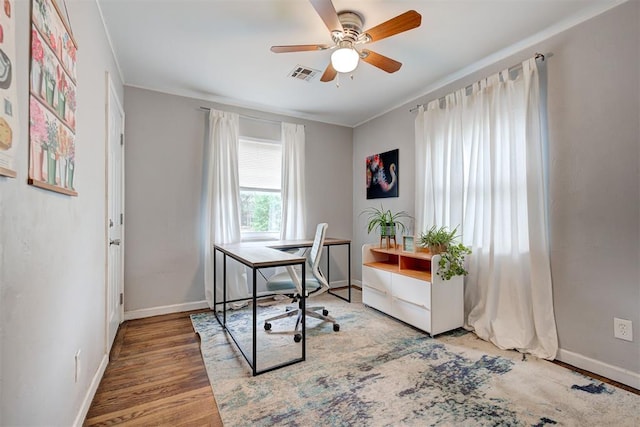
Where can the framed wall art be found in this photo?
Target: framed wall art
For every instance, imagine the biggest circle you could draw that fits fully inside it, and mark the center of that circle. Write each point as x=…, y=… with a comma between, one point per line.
x=9, y=123
x=382, y=175
x=52, y=100
x=408, y=244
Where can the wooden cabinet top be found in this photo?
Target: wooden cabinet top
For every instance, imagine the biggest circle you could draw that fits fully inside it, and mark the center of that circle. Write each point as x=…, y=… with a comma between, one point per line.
x=426, y=255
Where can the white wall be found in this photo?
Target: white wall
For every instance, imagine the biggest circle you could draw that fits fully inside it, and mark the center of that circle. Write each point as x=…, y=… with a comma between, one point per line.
x=52, y=271
x=165, y=145
x=594, y=131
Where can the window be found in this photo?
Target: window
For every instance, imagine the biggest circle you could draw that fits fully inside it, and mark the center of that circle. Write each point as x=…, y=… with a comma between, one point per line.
x=260, y=170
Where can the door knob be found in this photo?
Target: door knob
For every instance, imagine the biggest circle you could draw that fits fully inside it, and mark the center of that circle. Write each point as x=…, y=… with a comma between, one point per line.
x=114, y=242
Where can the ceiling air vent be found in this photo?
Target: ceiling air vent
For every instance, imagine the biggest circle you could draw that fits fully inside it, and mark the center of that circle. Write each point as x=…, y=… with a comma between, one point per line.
x=303, y=73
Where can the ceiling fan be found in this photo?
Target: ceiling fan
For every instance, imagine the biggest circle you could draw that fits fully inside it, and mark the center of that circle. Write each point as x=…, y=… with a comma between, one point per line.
x=347, y=34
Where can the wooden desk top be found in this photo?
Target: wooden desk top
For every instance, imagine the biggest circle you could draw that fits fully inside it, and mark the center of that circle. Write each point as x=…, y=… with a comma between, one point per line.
x=259, y=256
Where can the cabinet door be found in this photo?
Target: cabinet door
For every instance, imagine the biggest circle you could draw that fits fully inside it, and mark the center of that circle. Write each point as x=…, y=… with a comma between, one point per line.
x=411, y=301
x=376, y=288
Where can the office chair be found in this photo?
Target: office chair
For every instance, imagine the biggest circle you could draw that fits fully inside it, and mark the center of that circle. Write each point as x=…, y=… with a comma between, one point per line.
x=289, y=283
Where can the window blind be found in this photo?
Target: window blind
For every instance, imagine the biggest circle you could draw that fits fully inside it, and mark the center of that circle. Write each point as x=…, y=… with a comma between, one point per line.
x=260, y=163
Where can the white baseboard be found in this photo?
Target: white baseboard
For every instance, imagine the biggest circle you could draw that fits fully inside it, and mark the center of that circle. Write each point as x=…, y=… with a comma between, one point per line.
x=597, y=367
x=93, y=387
x=165, y=309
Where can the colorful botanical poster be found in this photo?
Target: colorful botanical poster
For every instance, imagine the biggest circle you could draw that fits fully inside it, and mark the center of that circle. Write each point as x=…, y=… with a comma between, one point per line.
x=52, y=102
x=382, y=175
x=9, y=123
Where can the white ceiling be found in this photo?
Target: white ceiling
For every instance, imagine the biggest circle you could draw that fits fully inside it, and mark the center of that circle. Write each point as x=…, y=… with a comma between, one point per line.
x=218, y=50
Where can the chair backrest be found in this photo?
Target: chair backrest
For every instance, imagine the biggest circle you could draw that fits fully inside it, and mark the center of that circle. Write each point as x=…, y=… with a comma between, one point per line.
x=313, y=263
x=315, y=254
x=316, y=249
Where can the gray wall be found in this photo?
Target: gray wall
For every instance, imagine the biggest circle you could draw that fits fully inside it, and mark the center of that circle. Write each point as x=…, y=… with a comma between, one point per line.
x=594, y=130
x=165, y=145
x=52, y=268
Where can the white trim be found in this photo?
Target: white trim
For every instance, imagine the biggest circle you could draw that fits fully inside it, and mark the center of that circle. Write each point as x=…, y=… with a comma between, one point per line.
x=615, y=373
x=165, y=309
x=108, y=35
x=93, y=387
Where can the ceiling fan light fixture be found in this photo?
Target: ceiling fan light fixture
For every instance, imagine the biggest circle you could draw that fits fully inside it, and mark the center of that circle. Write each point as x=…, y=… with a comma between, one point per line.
x=345, y=59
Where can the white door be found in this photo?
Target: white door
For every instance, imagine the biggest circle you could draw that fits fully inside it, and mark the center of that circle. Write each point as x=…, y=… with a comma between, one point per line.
x=115, y=214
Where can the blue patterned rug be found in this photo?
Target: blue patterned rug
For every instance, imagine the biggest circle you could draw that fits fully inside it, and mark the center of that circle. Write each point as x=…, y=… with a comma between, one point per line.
x=379, y=372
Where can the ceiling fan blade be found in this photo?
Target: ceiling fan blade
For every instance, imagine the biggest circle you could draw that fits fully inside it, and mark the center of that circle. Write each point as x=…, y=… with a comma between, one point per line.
x=404, y=22
x=384, y=63
x=328, y=13
x=298, y=48
x=329, y=74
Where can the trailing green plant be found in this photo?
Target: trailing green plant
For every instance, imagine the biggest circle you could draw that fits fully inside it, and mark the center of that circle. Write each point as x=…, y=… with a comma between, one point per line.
x=381, y=218
x=452, y=261
x=441, y=240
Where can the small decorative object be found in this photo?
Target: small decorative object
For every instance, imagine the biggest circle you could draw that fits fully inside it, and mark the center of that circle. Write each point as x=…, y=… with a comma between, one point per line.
x=452, y=255
x=382, y=175
x=52, y=100
x=386, y=221
x=408, y=244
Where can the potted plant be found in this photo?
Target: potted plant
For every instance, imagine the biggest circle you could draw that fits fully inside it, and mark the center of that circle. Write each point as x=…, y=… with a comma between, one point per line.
x=452, y=255
x=385, y=220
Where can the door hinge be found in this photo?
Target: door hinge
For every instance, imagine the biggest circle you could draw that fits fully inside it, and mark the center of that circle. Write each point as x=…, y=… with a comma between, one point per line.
x=121, y=298
x=122, y=139
x=121, y=218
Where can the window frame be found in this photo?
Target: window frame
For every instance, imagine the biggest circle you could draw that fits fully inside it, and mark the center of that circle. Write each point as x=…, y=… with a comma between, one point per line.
x=252, y=236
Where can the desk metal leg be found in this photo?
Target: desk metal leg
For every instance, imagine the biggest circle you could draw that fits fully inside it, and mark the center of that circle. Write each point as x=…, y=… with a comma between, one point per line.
x=348, y=273
x=255, y=322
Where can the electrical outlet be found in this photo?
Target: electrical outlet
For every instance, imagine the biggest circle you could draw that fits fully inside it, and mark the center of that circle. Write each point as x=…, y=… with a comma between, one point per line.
x=622, y=329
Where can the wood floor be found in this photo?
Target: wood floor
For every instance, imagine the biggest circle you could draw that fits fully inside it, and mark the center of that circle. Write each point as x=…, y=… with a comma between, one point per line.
x=155, y=376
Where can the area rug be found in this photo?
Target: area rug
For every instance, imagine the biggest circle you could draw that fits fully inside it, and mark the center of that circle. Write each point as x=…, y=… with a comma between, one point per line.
x=377, y=371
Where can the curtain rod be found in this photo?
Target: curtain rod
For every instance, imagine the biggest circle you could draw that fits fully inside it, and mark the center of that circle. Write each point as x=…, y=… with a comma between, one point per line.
x=513, y=67
x=246, y=116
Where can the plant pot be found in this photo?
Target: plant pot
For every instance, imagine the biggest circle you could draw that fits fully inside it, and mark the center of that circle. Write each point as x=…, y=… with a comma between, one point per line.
x=36, y=76
x=70, y=175
x=388, y=230
x=437, y=249
x=61, y=102
x=51, y=168
x=50, y=88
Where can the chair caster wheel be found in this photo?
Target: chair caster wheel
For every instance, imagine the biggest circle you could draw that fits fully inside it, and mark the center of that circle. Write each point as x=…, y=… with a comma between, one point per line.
x=267, y=326
x=297, y=337
x=336, y=327
x=325, y=312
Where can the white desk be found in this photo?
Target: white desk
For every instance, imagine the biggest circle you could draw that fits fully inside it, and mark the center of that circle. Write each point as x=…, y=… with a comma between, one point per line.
x=258, y=255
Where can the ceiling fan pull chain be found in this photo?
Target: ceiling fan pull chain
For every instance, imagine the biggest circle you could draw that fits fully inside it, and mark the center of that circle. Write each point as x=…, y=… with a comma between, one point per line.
x=338, y=80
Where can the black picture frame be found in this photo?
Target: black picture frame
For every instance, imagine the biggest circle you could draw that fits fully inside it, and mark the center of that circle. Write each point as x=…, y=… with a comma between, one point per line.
x=382, y=174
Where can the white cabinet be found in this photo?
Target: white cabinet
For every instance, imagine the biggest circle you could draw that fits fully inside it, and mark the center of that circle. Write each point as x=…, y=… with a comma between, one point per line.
x=405, y=285
x=378, y=288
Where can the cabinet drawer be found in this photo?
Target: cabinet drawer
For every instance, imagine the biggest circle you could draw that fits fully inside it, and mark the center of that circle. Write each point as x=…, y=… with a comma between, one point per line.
x=376, y=288
x=412, y=290
x=412, y=313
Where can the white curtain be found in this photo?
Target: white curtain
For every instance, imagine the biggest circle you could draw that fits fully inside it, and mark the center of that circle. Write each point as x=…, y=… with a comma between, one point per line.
x=480, y=153
x=222, y=205
x=293, y=188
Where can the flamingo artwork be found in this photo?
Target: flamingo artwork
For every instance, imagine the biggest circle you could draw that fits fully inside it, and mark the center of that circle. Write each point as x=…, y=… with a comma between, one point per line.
x=382, y=175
